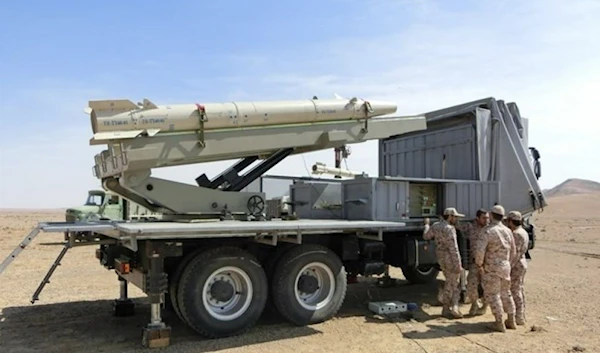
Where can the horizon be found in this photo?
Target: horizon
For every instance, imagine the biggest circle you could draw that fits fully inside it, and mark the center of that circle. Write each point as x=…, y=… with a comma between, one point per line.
x=422, y=54
x=60, y=208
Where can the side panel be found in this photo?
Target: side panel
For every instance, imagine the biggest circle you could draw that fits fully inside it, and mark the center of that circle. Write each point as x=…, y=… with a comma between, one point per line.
x=447, y=154
x=468, y=197
x=357, y=198
x=317, y=200
x=391, y=200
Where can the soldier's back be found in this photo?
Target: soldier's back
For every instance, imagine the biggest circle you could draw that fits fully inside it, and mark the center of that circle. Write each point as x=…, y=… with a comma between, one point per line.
x=521, y=238
x=497, y=255
x=442, y=231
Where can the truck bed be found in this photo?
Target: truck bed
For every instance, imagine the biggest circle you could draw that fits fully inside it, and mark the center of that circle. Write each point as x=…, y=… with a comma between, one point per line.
x=207, y=229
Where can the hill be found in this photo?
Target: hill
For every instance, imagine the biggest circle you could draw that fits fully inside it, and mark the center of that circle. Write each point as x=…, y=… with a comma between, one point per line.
x=573, y=186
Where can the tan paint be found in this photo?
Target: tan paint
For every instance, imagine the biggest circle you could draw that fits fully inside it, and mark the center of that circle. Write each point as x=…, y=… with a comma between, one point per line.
x=117, y=116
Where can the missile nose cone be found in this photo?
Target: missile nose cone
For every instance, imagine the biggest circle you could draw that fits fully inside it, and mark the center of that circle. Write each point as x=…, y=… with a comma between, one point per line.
x=382, y=107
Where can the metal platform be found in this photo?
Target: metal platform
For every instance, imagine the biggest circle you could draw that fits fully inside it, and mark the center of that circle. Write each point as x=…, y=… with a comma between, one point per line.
x=170, y=230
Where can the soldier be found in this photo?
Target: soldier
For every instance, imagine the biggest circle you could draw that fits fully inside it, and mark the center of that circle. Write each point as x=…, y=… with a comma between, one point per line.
x=473, y=233
x=444, y=234
x=493, y=257
x=519, y=265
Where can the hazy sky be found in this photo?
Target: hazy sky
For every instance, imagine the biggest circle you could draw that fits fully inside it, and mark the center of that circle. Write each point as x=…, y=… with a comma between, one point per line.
x=423, y=54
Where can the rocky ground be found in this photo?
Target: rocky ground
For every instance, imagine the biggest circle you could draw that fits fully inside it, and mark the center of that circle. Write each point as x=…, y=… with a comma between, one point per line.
x=74, y=311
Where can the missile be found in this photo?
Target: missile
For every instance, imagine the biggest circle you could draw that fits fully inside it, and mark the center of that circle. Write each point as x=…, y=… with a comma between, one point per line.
x=122, y=119
x=320, y=168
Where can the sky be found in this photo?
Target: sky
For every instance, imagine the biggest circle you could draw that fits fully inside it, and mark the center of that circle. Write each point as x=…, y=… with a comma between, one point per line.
x=422, y=54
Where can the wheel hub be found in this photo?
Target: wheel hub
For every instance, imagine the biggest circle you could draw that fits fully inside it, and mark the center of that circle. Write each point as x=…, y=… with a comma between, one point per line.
x=227, y=293
x=308, y=284
x=222, y=291
x=315, y=285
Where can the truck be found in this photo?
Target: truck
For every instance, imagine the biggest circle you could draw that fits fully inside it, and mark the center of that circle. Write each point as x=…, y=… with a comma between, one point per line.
x=222, y=251
x=107, y=205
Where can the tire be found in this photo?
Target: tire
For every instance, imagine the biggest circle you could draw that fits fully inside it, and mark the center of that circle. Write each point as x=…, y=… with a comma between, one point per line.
x=325, y=267
x=270, y=265
x=226, y=272
x=174, y=283
x=420, y=275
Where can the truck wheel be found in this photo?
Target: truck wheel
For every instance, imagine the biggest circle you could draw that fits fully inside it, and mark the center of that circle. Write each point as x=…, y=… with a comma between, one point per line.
x=420, y=275
x=270, y=265
x=309, y=284
x=222, y=292
x=174, y=282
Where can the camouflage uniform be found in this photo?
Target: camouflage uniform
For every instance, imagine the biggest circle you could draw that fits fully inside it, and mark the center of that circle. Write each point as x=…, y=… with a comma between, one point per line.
x=448, y=257
x=472, y=231
x=495, y=252
x=519, y=268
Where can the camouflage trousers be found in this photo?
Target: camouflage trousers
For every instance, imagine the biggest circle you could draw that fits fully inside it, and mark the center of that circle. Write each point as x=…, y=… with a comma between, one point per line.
x=473, y=281
x=517, y=276
x=497, y=295
x=450, y=294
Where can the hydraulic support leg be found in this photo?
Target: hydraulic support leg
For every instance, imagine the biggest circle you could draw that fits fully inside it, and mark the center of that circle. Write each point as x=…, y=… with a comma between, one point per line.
x=156, y=334
x=123, y=306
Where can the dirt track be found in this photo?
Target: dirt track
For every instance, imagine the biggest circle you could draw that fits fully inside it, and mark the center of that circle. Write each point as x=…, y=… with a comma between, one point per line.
x=74, y=311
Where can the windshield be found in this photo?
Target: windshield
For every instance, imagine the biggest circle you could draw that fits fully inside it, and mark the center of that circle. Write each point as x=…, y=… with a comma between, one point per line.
x=94, y=200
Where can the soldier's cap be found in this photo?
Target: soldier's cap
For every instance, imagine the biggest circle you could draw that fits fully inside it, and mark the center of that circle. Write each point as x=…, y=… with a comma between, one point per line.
x=497, y=209
x=451, y=211
x=514, y=215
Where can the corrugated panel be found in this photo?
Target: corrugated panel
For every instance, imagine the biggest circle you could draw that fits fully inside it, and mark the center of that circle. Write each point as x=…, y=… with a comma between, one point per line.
x=423, y=155
x=357, y=197
x=391, y=200
x=468, y=197
x=373, y=199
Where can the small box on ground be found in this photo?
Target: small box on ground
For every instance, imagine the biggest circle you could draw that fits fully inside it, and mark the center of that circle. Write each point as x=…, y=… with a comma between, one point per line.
x=388, y=307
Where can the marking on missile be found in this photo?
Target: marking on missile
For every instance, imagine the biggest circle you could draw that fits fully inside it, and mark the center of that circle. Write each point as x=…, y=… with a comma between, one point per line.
x=114, y=122
x=328, y=111
x=153, y=121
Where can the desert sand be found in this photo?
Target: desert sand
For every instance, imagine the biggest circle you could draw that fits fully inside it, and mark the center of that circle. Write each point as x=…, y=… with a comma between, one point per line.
x=74, y=314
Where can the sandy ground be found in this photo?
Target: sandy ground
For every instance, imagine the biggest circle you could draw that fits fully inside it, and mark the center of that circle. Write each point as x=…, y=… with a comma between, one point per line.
x=74, y=311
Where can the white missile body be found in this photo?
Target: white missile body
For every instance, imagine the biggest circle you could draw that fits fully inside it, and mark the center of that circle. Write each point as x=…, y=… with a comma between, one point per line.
x=320, y=168
x=122, y=119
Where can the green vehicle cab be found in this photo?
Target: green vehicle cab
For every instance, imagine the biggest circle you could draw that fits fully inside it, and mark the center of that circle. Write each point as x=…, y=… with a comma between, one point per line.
x=106, y=205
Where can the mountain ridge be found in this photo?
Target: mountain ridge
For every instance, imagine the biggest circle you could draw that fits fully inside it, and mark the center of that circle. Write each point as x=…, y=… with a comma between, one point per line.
x=573, y=186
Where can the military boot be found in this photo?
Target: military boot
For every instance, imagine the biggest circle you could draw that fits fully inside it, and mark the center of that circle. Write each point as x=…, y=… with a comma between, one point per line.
x=455, y=312
x=520, y=319
x=498, y=326
x=510, y=322
x=474, y=308
x=446, y=312
x=483, y=309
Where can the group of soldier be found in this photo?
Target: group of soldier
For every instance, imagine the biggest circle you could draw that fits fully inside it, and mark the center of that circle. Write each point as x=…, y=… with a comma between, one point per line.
x=497, y=247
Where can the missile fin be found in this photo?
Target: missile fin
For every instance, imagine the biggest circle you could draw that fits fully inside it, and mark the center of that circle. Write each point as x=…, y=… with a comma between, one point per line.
x=115, y=106
x=337, y=96
x=152, y=132
x=117, y=135
x=147, y=104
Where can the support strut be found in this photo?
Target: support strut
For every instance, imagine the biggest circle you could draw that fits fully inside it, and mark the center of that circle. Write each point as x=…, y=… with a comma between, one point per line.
x=230, y=175
x=259, y=170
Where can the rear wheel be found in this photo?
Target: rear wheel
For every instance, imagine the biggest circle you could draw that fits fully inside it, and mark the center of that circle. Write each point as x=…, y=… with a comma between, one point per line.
x=222, y=292
x=174, y=283
x=309, y=284
x=421, y=274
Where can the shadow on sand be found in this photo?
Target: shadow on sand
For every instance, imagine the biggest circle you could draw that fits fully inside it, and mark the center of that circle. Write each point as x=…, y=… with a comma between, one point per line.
x=76, y=326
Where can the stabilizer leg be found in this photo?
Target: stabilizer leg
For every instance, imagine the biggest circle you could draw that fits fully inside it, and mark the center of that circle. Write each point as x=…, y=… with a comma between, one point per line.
x=123, y=306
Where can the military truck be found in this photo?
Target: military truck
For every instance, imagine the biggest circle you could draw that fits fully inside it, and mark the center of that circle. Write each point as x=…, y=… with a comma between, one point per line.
x=107, y=205
x=215, y=258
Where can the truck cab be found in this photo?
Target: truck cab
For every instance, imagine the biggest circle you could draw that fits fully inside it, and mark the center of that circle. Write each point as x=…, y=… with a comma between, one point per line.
x=106, y=205
x=99, y=204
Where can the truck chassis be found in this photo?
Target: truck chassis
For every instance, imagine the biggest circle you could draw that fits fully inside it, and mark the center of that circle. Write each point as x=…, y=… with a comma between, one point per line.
x=299, y=267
